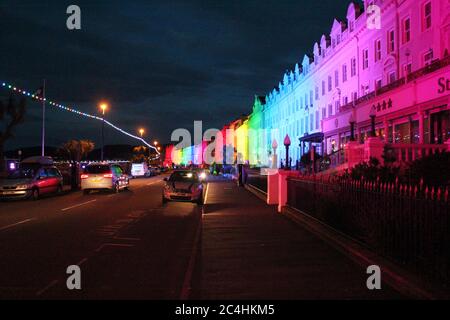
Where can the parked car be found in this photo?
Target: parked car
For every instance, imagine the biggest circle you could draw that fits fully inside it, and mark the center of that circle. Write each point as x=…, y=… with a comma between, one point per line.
x=140, y=170
x=183, y=185
x=36, y=176
x=104, y=177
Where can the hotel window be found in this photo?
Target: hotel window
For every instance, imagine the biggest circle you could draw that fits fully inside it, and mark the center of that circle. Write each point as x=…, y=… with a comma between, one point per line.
x=323, y=88
x=311, y=122
x=337, y=106
x=406, y=34
x=377, y=50
x=317, y=120
x=378, y=84
x=426, y=16
x=330, y=84
x=354, y=96
x=428, y=58
x=391, y=41
x=324, y=113
x=392, y=77
x=336, y=79
x=344, y=73
x=407, y=69
x=317, y=93
x=365, y=59
x=345, y=100
x=352, y=26
x=330, y=110
x=311, y=99
x=353, y=67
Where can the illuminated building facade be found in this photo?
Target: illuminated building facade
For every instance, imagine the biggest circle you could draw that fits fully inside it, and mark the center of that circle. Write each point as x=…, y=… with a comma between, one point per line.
x=394, y=66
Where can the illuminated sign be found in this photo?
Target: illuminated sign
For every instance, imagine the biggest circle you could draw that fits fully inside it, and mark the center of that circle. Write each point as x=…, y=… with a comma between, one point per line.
x=444, y=85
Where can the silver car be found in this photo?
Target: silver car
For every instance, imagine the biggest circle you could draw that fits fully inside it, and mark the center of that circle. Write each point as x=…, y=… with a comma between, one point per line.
x=104, y=177
x=183, y=185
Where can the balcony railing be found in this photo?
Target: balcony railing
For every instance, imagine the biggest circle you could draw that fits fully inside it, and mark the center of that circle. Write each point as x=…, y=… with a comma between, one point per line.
x=409, y=152
x=436, y=65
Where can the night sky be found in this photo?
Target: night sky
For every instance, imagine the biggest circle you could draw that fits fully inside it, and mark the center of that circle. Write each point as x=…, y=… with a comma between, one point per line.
x=160, y=64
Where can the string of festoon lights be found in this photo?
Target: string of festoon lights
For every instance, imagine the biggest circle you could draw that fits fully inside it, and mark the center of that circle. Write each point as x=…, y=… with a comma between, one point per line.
x=69, y=109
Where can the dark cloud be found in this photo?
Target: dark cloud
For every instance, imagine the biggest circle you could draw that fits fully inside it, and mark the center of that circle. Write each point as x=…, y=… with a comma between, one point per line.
x=161, y=64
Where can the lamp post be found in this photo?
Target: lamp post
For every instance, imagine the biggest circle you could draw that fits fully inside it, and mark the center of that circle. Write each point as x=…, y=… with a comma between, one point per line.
x=287, y=144
x=274, y=157
x=103, y=107
x=373, y=114
x=352, y=127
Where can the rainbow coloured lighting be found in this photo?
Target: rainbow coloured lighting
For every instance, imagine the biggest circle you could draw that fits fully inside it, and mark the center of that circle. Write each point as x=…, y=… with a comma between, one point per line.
x=84, y=114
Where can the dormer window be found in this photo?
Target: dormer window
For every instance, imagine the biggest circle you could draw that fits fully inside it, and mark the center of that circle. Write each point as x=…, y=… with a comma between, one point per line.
x=352, y=26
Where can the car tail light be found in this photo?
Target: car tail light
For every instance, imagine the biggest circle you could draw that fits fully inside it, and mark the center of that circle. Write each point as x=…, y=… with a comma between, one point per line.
x=84, y=176
x=108, y=175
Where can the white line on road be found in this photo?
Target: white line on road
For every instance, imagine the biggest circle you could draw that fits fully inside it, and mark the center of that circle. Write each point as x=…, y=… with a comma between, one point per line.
x=51, y=284
x=16, y=224
x=78, y=205
x=154, y=182
x=187, y=282
x=206, y=194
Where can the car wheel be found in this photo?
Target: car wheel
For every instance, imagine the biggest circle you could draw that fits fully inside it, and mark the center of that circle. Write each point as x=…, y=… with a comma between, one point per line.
x=164, y=200
x=59, y=190
x=86, y=192
x=35, y=194
x=116, y=188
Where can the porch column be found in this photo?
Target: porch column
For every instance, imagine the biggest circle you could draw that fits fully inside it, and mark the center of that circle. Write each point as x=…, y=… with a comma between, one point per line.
x=421, y=127
x=393, y=131
x=386, y=130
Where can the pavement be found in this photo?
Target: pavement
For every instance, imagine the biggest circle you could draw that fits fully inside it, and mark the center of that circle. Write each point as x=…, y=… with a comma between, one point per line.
x=131, y=246
x=249, y=251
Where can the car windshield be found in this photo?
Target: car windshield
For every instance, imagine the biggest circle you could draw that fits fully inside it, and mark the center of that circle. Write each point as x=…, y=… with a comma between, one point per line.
x=24, y=173
x=97, y=169
x=184, y=176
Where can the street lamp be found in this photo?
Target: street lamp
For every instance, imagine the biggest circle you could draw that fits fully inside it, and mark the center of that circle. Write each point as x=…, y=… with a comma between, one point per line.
x=373, y=114
x=141, y=132
x=274, y=157
x=287, y=143
x=155, y=143
x=103, y=108
x=352, y=127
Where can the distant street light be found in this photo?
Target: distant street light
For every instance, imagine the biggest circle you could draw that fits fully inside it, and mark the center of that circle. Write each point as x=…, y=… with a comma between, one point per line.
x=141, y=132
x=155, y=143
x=103, y=108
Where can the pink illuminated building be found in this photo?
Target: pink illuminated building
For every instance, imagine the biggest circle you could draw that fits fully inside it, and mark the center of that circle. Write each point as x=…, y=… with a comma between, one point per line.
x=394, y=65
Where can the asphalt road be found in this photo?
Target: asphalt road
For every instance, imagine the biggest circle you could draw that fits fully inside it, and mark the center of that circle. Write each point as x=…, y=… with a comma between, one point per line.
x=127, y=245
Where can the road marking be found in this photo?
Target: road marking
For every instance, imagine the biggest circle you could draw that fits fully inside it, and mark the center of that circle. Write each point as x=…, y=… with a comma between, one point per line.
x=51, y=284
x=82, y=261
x=206, y=194
x=151, y=183
x=186, y=288
x=79, y=205
x=16, y=224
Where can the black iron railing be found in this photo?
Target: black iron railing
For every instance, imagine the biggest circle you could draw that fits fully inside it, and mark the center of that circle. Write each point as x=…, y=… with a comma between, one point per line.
x=410, y=224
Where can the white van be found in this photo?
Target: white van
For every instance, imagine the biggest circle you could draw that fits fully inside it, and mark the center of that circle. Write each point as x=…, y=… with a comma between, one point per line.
x=139, y=170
